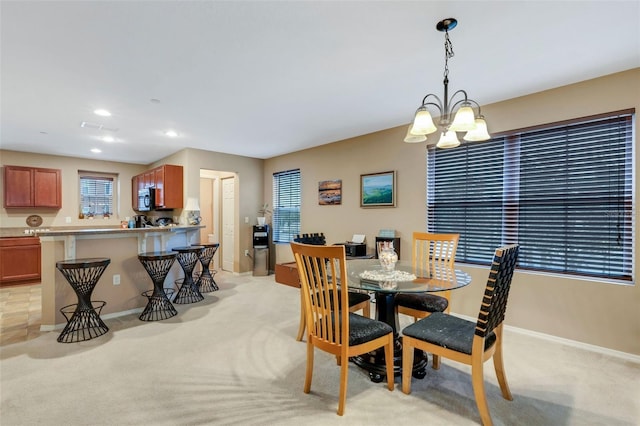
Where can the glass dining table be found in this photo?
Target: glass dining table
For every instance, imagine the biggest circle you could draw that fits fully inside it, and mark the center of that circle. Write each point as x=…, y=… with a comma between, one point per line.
x=369, y=275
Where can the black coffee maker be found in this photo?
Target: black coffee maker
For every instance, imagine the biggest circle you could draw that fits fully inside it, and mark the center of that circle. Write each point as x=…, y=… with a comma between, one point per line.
x=141, y=220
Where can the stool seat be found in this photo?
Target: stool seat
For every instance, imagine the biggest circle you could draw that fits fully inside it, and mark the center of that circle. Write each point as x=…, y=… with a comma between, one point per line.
x=83, y=320
x=157, y=265
x=205, y=281
x=188, y=291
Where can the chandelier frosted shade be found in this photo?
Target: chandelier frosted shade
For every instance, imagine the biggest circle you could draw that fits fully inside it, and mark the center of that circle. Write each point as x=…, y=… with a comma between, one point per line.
x=423, y=123
x=478, y=134
x=464, y=120
x=411, y=138
x=448, y=140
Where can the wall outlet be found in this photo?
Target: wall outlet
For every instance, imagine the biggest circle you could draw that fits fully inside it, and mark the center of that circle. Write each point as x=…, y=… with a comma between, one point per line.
x=246, y=253
x=116, y=279
x=67, y=219
x=246, y=219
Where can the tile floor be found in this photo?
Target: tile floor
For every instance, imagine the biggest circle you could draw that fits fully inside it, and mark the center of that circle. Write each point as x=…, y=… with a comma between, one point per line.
x=20, y=313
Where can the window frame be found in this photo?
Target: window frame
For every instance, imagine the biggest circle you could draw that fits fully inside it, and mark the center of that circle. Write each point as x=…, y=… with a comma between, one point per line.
x=287, y=199
x=98, y=176
x=513, y=205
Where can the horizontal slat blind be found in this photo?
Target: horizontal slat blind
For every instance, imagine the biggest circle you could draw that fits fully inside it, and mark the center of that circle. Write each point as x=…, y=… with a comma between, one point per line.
x=286, y=205
x=96, y=195
x=563, y=193
x=465, y=197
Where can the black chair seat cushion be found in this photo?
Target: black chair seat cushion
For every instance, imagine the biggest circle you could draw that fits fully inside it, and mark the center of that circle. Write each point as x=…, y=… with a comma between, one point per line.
x=363, y=329
x=422, y=302
x=447, y=331
x=356, y=298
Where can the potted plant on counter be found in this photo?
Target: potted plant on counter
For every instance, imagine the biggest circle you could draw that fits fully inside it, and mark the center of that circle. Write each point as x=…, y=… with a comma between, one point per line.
x=262, y=214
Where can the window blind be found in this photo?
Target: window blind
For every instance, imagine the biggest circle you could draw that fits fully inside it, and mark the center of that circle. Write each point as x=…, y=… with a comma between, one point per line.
x=96, y=194
x=286, y=205
x=563, y=192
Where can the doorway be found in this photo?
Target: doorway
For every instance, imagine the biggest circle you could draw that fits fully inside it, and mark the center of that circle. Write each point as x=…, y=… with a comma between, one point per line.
x=218, y=215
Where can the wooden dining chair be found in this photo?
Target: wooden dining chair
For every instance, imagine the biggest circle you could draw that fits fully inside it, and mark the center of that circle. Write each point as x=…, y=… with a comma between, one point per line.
x=430, y=253
x=330, y=325
x=468, y=342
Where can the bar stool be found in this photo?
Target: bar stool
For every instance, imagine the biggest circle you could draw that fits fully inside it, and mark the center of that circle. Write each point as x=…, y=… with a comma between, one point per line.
x=83, y=321
x=159, y=306
x=187, y=258
x=205, y=281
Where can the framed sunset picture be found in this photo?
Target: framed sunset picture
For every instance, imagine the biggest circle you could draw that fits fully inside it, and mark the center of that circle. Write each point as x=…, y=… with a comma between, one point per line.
x=378, y=189
x=330, y=192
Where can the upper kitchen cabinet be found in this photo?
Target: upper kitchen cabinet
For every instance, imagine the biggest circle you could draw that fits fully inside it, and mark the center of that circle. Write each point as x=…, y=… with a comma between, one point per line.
x=167, y=181
x=32, y=187
x=168, y=184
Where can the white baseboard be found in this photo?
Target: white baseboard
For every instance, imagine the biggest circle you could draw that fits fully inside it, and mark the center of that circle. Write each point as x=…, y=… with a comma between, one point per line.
x=573, y=343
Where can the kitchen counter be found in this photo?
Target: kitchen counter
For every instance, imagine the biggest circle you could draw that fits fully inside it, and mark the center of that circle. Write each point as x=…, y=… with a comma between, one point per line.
x=62, y=230
x=124, y=279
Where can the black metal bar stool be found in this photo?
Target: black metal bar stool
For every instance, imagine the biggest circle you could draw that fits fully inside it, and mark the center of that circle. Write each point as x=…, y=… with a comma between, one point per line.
x=159, y=306
x=205, y=281
x=188, y=291
x=83, y=320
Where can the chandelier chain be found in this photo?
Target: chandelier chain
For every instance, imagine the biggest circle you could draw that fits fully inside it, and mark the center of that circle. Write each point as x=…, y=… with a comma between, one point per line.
x=448, y=53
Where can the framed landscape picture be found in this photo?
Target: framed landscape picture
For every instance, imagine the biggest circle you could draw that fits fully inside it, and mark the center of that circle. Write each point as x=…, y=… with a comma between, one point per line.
x=330, y=192
x=378, y=189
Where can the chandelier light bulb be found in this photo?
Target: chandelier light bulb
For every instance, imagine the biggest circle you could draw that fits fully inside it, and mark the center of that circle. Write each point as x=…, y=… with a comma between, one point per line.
x=464, y=119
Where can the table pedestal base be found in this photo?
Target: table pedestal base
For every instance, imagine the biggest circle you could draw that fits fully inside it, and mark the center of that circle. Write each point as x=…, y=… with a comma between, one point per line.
x=373, y=362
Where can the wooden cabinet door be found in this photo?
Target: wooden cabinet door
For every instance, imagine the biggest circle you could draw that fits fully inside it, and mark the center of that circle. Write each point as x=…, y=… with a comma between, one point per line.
x=134, y=192
x=47, y=191
x=173, y=187
x=19, y=259
x=159, y=180
x=18, y=186
x=149, y=179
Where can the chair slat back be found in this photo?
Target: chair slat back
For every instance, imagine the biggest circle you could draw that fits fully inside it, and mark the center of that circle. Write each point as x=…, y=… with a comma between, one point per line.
x=496, y=293
x=433, y=252
x=326, y=308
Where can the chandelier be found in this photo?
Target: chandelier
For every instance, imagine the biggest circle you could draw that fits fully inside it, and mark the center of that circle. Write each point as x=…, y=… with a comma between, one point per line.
x=456, y=113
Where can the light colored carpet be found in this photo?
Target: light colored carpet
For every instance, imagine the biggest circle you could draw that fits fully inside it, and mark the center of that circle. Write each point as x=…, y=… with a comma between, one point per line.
x=232, y=359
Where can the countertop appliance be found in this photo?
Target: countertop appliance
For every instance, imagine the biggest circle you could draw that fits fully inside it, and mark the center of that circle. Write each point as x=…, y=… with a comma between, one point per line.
x=164, y=221
x=354, y=249
x=141, y=221
x=146, y=199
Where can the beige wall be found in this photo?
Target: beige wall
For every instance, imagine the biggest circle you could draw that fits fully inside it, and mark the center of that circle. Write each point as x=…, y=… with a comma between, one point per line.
x=15, y=218
x=249, y=187
x=589, y=311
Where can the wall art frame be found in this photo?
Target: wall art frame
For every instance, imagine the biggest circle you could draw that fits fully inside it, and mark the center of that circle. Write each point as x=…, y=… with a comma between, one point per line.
x=378, y=189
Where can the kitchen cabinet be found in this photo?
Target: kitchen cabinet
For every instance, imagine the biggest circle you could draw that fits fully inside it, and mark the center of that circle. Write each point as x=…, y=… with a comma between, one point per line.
x=19, y=260
x=32, y=187
x=169, y=187
x=168, y=182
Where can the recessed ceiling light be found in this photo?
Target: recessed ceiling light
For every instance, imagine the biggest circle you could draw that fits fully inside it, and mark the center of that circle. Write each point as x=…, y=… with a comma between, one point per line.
x=102, y=113
x=96, y=150
x=155, y=101
x=108, y=139
x=44, y=133
x=171, y=133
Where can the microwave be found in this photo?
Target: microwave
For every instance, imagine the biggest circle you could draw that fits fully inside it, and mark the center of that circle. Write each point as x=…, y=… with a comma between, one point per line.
x=146, y=199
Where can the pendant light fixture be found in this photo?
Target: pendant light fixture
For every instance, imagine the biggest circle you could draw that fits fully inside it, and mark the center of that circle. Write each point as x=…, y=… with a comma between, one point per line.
x=456, y=113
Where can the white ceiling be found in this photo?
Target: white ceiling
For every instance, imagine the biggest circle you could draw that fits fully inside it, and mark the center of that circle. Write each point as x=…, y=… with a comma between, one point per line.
x=265, y=78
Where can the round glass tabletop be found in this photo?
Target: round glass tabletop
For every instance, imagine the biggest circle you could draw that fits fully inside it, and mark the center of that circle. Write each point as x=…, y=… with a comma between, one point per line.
x=367, y=274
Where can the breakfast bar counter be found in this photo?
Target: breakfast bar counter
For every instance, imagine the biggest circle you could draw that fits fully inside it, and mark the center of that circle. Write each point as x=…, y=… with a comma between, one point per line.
x=125, y=278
